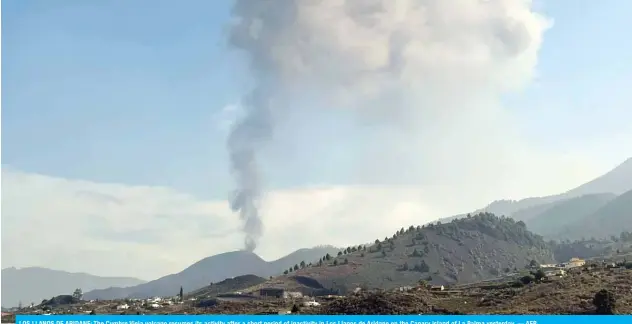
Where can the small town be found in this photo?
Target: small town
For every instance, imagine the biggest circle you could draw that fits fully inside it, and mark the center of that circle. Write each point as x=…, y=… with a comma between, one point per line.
x=422, y=298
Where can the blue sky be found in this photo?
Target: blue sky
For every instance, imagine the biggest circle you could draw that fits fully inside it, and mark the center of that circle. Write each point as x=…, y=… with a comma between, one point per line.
x=130, y=92
x=127, y=91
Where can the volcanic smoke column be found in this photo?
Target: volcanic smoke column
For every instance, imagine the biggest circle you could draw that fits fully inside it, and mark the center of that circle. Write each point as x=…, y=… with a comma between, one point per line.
x=434, y=68
x=243, y=142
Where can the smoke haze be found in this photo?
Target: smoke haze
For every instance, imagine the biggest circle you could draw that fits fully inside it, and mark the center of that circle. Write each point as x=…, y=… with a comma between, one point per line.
x=430, y=71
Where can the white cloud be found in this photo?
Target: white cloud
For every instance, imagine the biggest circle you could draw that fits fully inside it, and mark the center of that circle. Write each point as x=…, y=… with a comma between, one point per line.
x=113, y=229
x=147, y=232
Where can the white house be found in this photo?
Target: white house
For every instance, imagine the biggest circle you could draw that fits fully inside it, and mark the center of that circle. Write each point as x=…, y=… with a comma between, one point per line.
x=124, y=306
x=311, y=303
x=154, y=305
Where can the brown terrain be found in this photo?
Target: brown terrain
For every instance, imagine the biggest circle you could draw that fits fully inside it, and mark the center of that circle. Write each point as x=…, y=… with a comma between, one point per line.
x=570, y=294
x=471, y=249
x=487, y=265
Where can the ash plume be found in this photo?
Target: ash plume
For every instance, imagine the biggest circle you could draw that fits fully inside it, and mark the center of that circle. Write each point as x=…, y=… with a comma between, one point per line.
x=434, y=65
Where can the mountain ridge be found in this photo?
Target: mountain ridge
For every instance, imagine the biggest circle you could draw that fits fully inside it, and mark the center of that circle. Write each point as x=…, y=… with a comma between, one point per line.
x=616, y=181
x=479, y=247
x=212, y=269
x=32, y=284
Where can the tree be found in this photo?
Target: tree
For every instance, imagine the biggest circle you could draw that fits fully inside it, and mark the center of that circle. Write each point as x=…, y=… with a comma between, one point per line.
x=339, y=253
x=422, y=267
x=377, y=241
x=533, y=264
x=328, y=257
x=335, y=262
x=604, y=302
x=295, y=267
x=295, y=309
x=302, y=264
x=527, y=280
x=181, y=294
x=346, y=261
x=539, y=275
x=290, y=269
x=77, y=294
x=285, y=272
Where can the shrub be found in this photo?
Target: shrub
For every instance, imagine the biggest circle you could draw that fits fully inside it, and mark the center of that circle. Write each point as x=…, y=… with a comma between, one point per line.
x=527, y=280
x=605, y=302
x=295, y=309
x=539, y=275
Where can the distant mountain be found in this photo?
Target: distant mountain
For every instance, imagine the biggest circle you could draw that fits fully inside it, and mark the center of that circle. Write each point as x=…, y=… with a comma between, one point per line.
x=32, y=285
x=617, y=181
x=560, y=215
x=481, y=247
x=610, y=219
x=212, y=269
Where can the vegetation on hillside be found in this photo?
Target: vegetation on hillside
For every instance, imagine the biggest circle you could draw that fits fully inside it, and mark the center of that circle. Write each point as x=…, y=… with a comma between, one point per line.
x=615, y=245
x=476, y=247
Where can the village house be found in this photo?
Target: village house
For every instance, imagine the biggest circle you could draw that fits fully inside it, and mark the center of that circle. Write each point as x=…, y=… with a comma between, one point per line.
x=576, y=262
x=437, y=288
x=311, y=303
x=123, y=306
x=555, y=273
